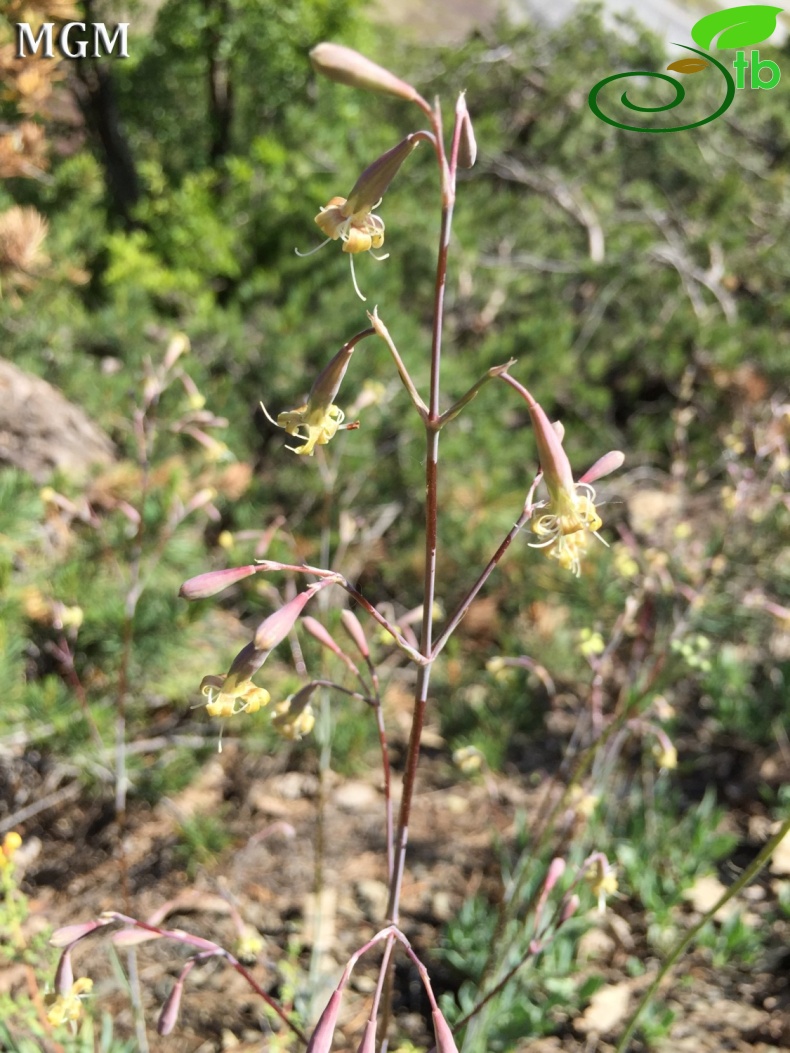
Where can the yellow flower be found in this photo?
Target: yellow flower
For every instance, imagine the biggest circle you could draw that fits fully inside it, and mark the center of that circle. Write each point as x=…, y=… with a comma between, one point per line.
x=591, y=643
x=68, y=1007
x=602, y=879
x=228, y=695
x=562, y=529
x=666, y=756
x=249, y=945
x=319, y=424
x=319, y=418
x=11, y=843
x=359, y=231
x=353, y=219
x=469, y=759
x=563, y=523
x=292, y=719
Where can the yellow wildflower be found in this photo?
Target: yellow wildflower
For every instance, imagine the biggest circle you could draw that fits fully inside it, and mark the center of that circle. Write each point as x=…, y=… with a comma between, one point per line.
x=228, y=695
x=292, y=719
x=353, y=219
x=563, y=523
x=601, y=878
x=68, y=1007
x=11, y=842
x=318, y=425
x=359, y=231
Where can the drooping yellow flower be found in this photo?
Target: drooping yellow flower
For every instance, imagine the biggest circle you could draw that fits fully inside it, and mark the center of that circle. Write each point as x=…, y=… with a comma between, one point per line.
x=293, y=724
x=316, y=425
x=294, y=717
x=68, y=1007
x=353, y=219
x=359, y=231
x=229, y=695
x=563, y=524
x=319, y=419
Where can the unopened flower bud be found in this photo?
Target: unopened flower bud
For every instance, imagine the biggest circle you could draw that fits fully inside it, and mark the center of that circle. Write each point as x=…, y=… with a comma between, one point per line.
x=467, y=144
x=64, y=974
x=316, y=629
x=371, y=186
x=555, y=872
x=321, y=1039
x=274, y=629
x=133, y=937
x=354, y=629
x=69, y=934
x=368, y=1043
x=209, y=584
x=569, y=908
x=178, y=346
x=445, y=1043
x=169, y=1015
x=346, y=66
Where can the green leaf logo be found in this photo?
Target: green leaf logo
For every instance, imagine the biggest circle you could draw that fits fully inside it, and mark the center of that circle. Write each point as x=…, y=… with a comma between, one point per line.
x=736, y=27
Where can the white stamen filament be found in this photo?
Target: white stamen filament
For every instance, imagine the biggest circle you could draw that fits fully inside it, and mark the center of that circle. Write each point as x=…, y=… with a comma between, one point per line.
x=312, y=252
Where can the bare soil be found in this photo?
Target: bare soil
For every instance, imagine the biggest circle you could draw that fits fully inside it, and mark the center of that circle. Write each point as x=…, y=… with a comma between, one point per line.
x=293, y=835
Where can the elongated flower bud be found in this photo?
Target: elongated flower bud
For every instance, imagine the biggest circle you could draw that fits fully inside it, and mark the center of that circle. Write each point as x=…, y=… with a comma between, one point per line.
x=352, y=626
x=569, y=908
x=64, y=974
x=467, y=144
x=133, y=937
x=214, y=581
x=323, y=636
x=445, y=1043
x=169, y=1015
x=276, y=627
x=321, y=1039
x=368, y=1043
x=346, y=66
x=371, y=186
x=327, y=383
x=70, y=934
x=555, y=872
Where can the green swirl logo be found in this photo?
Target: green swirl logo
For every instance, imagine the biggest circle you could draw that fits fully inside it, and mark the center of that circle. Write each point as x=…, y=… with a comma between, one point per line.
x=736, y=27
x=680, y=94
